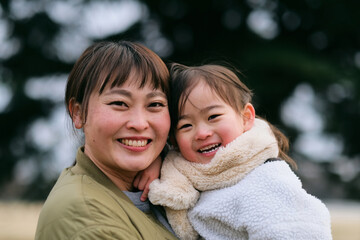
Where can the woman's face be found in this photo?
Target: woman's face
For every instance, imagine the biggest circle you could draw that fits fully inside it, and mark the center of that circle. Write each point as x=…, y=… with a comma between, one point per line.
x=126, y=128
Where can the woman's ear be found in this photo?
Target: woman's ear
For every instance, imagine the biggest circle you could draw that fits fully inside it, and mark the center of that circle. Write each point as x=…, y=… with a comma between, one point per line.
x=75, y=113
x=248, y=116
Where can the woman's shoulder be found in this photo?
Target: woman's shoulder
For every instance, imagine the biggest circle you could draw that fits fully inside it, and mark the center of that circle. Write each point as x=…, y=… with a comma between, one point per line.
x=76, y=202
x=81, y=191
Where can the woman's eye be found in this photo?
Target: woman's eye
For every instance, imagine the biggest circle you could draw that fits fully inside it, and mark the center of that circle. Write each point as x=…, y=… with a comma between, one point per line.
x=213, y=116
x=157, y=104
x=118, y=103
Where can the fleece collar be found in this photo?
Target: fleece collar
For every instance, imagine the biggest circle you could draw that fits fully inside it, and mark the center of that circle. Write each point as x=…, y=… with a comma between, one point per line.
x=232, y=162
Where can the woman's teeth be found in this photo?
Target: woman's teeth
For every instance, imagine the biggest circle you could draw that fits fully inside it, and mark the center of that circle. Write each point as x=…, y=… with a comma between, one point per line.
x=209, y=148
x=134, y=143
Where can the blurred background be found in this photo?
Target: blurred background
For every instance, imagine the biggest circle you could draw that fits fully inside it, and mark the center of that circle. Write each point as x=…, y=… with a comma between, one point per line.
x=301, y=59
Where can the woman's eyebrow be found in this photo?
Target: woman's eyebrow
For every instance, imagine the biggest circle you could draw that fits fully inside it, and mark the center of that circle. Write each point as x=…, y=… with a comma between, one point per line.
x=119, y=92
x=156, y=94
x=129, y=94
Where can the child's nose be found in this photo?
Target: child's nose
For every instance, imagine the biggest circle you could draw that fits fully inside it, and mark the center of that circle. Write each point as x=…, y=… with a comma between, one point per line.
x=203, y=132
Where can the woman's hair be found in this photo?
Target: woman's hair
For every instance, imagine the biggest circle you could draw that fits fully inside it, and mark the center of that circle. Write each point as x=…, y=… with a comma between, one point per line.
x=111, y=64
x=226, y=83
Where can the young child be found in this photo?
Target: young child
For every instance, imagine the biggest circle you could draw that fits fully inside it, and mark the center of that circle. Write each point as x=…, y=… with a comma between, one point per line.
x=231, y=178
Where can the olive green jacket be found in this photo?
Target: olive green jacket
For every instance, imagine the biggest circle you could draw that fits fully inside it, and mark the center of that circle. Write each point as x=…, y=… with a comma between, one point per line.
x=85, y=204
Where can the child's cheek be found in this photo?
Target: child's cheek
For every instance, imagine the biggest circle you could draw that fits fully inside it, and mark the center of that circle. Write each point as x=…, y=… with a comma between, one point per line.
x=184, y=144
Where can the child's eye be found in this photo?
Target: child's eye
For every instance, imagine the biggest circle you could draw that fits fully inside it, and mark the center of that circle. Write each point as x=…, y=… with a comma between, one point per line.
x=213, y=116
x=184, y=126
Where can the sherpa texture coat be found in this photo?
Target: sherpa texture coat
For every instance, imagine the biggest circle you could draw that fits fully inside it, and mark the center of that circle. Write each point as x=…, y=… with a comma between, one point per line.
x=85, y=204
x=241, y=196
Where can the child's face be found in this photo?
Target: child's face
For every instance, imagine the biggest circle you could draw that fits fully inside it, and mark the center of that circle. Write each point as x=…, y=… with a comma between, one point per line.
x=205, y=124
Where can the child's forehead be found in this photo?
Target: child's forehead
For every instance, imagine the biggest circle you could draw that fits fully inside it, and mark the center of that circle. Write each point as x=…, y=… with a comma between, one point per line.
x=210, y=90
x=201, y=94
x=203, y=86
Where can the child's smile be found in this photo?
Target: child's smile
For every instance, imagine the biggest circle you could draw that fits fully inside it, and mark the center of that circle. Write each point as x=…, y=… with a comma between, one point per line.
x=206, y=124
x=210, y=148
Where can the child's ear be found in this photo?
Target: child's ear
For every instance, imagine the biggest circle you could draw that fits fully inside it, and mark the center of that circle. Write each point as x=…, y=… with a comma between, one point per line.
x=75, y=113
x=248, y=116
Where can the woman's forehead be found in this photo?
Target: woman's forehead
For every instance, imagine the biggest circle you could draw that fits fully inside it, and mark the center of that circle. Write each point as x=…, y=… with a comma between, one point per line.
x=134, y=80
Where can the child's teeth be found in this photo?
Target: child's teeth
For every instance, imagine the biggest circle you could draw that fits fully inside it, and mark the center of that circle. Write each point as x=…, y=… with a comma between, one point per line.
x=209, y=148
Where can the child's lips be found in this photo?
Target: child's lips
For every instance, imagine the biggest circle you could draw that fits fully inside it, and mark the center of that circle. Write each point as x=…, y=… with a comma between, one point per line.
x=210, y=148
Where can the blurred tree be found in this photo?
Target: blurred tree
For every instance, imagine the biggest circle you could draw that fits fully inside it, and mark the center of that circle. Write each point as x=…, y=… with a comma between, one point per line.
x=277, y=44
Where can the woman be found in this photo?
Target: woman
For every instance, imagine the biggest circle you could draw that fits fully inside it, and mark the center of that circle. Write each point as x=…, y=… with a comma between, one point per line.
x=117, y=94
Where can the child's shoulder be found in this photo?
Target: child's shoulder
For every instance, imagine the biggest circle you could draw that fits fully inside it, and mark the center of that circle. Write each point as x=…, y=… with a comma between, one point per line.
x=276, y=171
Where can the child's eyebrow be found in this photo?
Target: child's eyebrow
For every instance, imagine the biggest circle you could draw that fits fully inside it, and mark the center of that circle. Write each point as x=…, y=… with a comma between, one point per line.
x=202, y=111
x=208, y=108
x=184, y=116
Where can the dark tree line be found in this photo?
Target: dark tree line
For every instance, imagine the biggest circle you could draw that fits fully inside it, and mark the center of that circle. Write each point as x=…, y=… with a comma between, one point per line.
x=316, y=42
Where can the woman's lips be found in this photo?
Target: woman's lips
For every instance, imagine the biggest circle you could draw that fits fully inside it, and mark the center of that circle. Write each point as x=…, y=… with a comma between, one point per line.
x=134, y=142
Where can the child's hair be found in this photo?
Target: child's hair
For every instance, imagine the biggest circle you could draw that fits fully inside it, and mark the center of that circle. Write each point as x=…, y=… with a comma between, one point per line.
x=226, y=83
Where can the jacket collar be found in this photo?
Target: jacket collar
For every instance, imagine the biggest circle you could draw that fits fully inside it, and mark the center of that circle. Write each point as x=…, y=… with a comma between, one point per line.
x=85, y=166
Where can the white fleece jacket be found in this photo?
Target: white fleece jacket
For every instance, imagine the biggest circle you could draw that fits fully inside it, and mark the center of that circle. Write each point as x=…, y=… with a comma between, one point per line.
x=241, y=196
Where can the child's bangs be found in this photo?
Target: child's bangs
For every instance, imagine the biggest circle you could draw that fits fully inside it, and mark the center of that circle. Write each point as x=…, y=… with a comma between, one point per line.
x=188, y=84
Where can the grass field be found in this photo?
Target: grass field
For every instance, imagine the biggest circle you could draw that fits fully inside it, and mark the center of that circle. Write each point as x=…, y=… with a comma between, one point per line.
x=18, y=220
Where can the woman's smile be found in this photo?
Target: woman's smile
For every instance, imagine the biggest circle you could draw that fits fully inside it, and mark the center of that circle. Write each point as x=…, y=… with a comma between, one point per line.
x=134, y=142
x=126, y=127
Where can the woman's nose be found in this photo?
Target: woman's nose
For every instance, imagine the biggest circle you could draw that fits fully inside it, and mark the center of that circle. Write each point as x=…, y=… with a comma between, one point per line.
x=138, y=120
